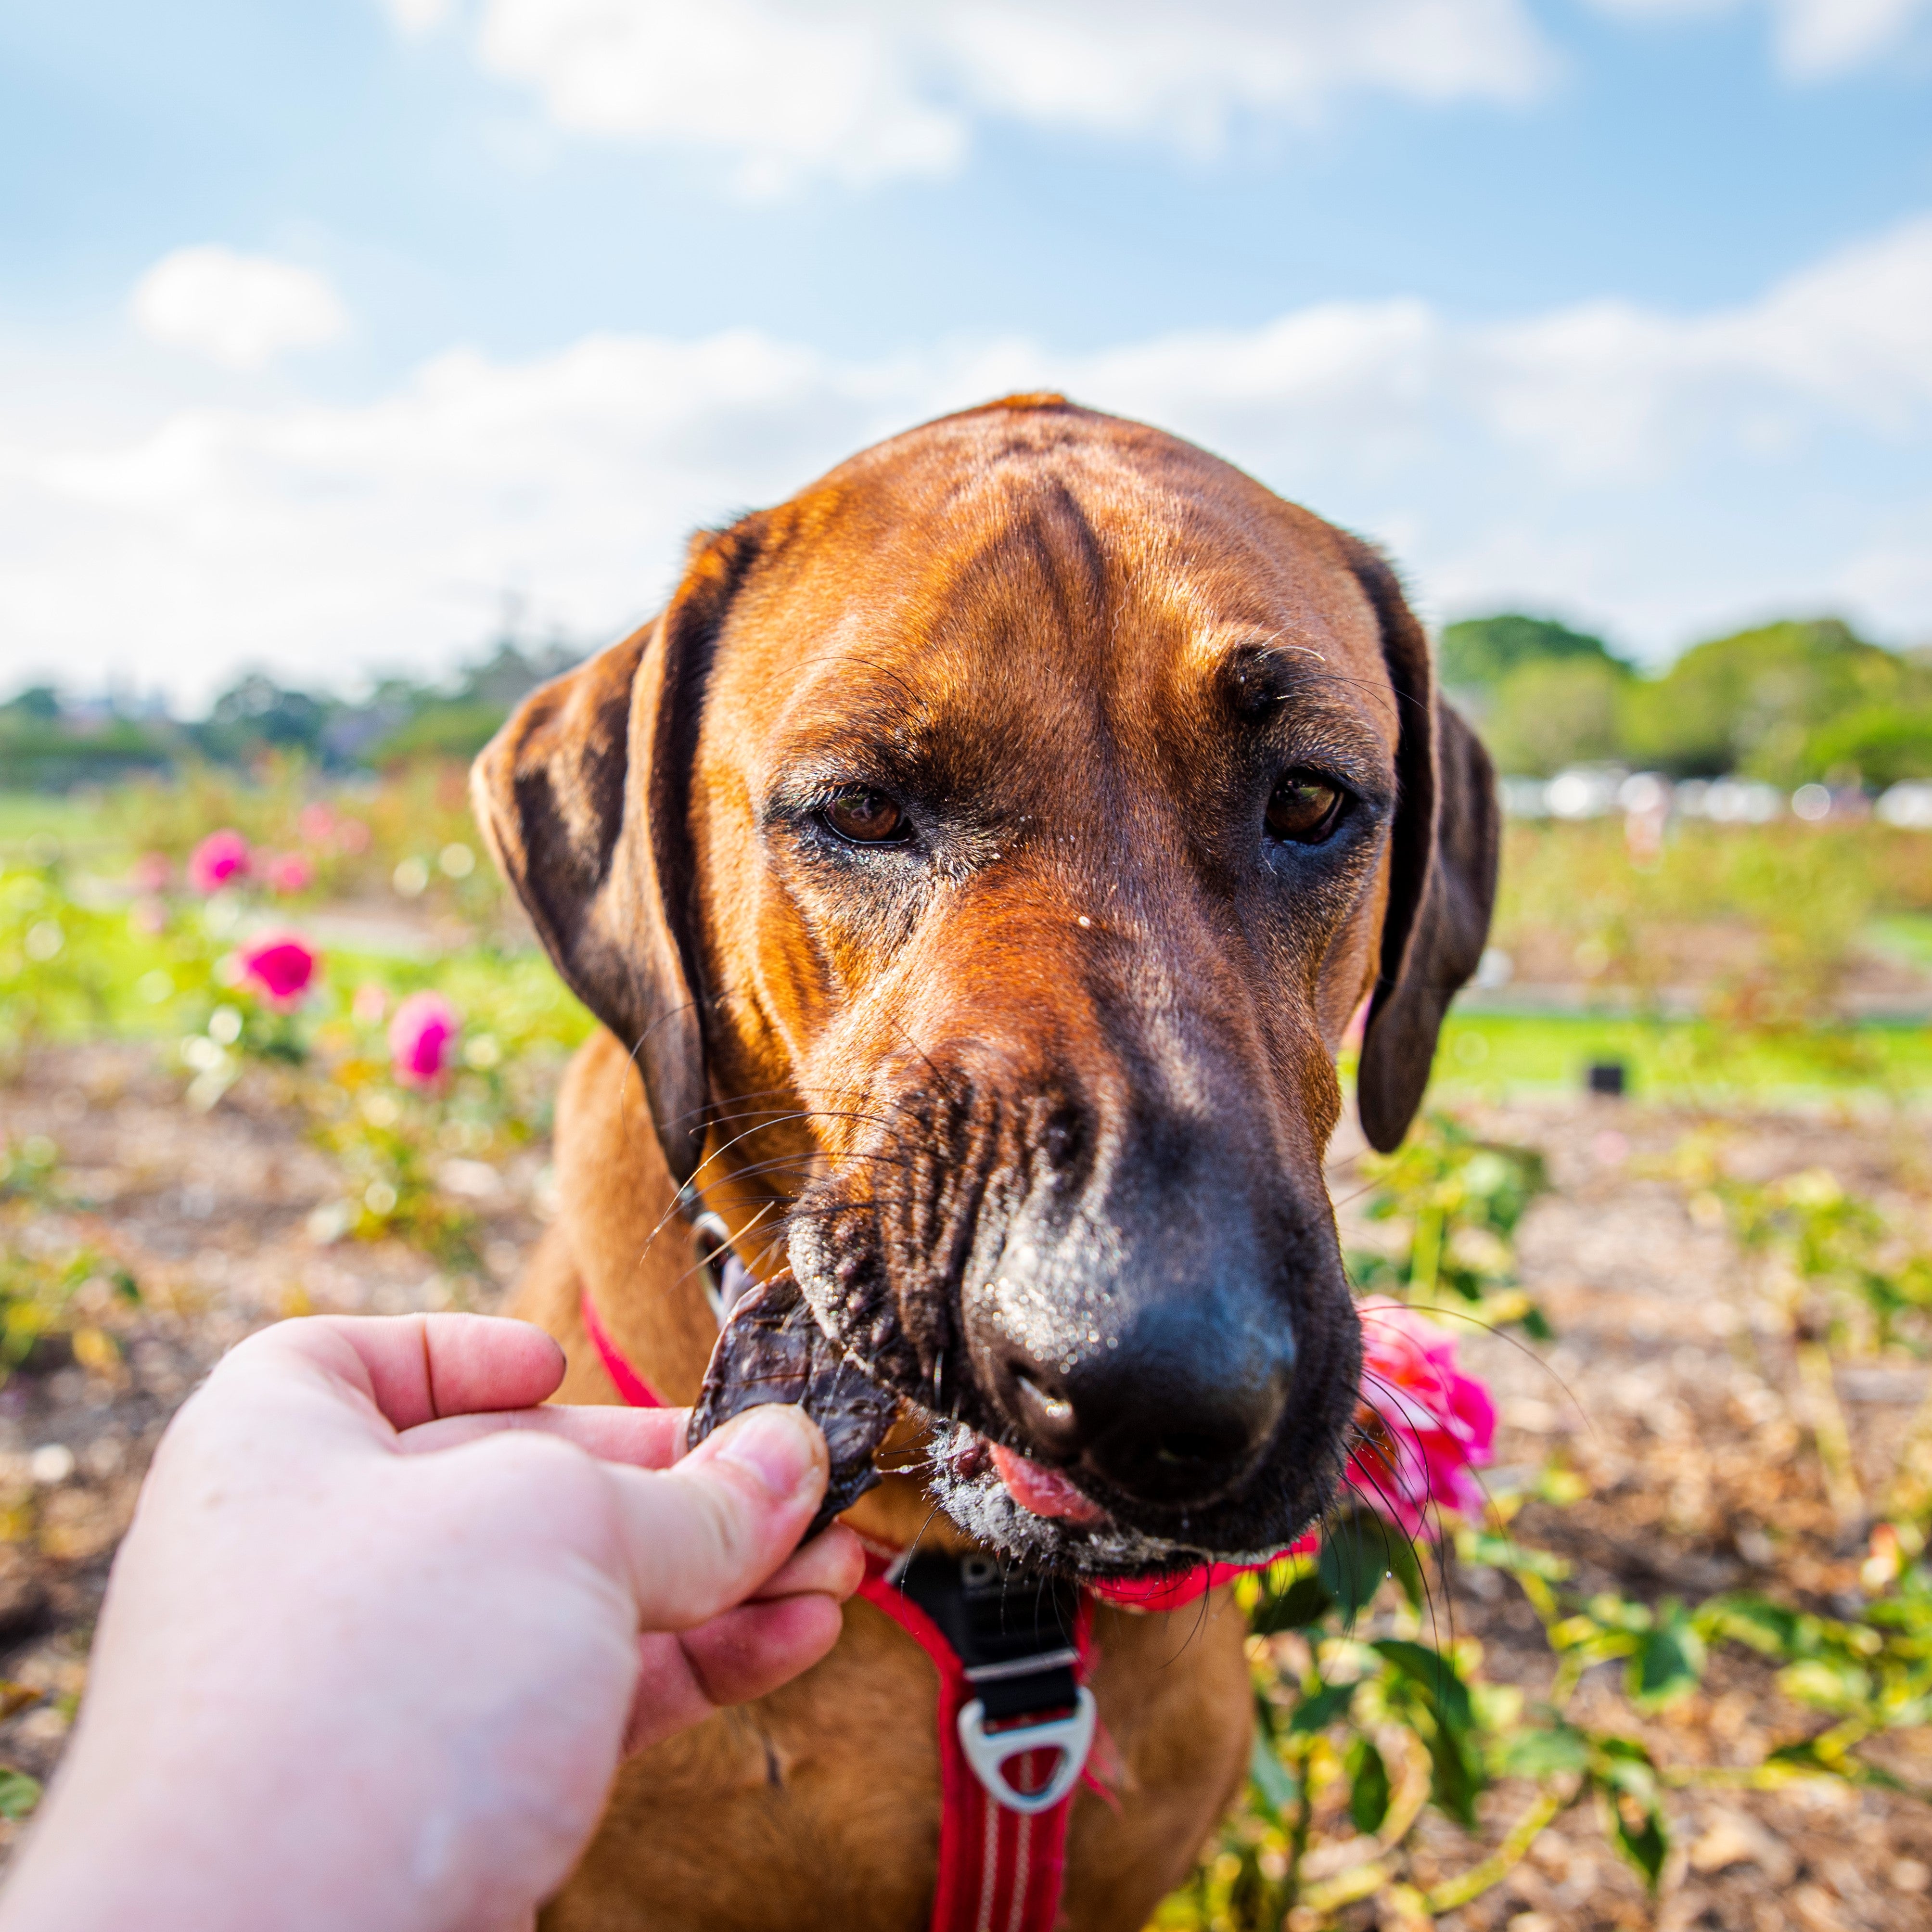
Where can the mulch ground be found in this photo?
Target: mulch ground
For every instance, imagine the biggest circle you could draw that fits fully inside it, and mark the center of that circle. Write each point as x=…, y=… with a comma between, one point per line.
x=1667, y=1390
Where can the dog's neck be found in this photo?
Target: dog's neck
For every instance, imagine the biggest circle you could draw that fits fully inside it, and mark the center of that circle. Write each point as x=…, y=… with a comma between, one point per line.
x=636, y=1255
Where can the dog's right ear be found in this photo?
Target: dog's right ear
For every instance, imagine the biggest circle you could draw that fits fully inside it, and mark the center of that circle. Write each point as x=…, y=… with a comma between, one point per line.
x=585, y=799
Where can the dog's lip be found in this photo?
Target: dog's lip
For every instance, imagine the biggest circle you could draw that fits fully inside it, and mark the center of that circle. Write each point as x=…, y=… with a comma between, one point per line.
x=1044, y=1492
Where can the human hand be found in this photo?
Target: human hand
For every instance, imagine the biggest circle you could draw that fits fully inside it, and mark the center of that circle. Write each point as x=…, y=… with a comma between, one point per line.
x=383, y=1628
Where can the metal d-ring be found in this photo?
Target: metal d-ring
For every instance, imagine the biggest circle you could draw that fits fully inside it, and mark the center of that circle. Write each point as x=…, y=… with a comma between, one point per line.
x=988, y=1751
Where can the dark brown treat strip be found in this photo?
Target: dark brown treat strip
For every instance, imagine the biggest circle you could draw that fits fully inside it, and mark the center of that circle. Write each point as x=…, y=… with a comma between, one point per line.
x=771, y=1349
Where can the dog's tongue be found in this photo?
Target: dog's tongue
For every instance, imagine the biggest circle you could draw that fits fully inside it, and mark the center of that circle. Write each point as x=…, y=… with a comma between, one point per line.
x=1045, y=1491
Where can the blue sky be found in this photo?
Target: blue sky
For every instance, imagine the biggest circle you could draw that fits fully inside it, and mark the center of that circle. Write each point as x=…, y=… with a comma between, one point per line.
x=327, y=329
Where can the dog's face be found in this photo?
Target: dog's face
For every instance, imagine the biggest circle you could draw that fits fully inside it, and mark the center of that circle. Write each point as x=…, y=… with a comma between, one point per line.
x=990, y=846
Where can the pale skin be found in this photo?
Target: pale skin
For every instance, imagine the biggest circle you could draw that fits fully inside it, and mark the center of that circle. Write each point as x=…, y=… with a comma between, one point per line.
x=383, y=1629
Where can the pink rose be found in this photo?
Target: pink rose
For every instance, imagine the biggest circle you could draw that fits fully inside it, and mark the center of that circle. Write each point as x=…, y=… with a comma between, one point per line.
x=217, y=860
x=421, y=1037
x=280, y=967
x=1426, y=1427
x=288, y=872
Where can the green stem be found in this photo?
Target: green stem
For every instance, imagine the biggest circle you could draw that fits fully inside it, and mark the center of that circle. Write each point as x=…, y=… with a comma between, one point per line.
x=1297, y=1841
x=1497, y=1866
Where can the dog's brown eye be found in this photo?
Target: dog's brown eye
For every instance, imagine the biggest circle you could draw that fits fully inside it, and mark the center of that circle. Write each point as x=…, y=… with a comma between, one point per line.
x=1304, y=807
x=866, y=818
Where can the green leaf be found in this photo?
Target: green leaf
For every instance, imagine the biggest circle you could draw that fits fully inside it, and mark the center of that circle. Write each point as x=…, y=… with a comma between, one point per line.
x=1541, y=1753
x=1433, y=1674
x=1456, y=1774
x=1274, y=1783
x=1404, y=1567
x=1769, y=1628
x=1813, y=1754
x=1505, y=1553
x=19, y=1793
x=1668, y=1662
x=1357, y=1553
x=1302, y=1603
x=1456, y=1779
x=1368, y=1786
x=1327, y=1706
x=1637, y=1825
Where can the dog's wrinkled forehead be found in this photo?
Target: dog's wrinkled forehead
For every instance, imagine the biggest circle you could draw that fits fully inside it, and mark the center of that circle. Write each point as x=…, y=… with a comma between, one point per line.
x=995, y=623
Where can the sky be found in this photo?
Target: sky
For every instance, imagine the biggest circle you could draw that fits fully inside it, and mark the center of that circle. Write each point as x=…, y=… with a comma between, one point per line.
x=337, y=334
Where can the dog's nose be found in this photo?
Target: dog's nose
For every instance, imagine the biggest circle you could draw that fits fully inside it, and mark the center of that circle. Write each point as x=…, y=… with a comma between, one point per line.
x=1172, y=1407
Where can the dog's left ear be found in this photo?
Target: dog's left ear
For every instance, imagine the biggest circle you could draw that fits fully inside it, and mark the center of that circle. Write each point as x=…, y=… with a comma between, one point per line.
x=1442, y=877
x=585, y=798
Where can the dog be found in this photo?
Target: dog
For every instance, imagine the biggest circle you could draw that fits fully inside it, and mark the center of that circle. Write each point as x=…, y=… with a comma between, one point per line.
x=976, y=868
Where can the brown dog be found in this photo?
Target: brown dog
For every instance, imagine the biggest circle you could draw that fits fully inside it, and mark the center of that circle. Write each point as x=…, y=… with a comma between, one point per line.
x=976, y=866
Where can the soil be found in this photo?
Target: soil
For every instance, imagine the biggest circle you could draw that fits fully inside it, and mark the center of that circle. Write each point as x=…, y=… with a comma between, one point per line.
x=1668, y=1391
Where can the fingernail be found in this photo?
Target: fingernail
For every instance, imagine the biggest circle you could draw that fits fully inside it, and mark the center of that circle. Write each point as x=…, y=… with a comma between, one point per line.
x=774, y=1443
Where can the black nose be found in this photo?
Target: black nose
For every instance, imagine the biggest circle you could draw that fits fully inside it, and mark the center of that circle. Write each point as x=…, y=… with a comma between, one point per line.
x=1172, y=1406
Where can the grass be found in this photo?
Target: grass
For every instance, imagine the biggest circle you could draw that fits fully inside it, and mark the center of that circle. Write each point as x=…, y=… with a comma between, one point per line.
x=1500, y=1055
x=30, y=814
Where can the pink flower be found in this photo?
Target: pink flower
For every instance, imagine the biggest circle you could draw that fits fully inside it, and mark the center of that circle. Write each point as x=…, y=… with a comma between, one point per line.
x=369, y=1005
x=315, y=823
x=352, y=836
x=151, y=873
x=280, y=966
x=421, y=1036
x=288, y=872
x=1426, y=1427
x=217, y=860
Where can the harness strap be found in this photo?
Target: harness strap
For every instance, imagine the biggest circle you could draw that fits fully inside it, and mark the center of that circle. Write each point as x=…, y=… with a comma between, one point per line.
x=631, y=1386
x=1001, y=1867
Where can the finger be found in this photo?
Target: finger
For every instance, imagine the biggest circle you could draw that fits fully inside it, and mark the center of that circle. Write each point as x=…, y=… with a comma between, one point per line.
x=668, y=1697
x=416, y=1367
x=750, y=1651
x=833, y=1564
x=645, y=1438
x=705, y=1534
x=743, y=1654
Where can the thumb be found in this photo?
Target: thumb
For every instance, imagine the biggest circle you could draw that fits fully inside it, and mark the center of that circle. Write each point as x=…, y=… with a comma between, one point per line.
x=703, y=1534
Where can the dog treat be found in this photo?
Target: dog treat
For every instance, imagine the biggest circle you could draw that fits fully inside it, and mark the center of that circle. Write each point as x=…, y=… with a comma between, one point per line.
x=771, y=1349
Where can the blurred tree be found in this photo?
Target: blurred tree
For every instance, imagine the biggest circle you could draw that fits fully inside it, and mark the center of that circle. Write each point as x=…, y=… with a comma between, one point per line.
x=257, y=714
x=1554, y=712
x=1476, y=655
x=40, y=703
x=1755, y=702
x=1877, y=744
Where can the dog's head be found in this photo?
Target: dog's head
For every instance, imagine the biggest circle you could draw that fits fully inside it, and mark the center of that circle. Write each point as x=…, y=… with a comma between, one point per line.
x=987, y=850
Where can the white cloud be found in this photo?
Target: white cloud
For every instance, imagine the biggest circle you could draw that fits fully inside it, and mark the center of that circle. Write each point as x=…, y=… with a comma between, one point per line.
x=243, y=310
x=1661, y=472
x=864, y=90
x=415, y=17
x=1813, y=39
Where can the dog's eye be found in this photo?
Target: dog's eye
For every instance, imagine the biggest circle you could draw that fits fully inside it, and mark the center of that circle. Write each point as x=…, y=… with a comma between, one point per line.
x=1305, y=807
x=866, y=818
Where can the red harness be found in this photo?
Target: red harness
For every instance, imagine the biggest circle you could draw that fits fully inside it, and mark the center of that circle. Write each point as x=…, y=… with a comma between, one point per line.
x=1007, y=1776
